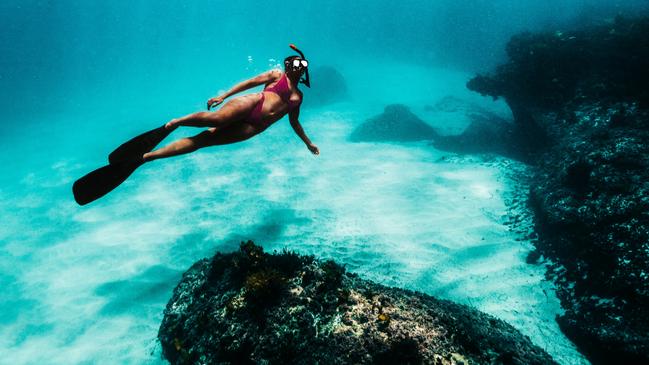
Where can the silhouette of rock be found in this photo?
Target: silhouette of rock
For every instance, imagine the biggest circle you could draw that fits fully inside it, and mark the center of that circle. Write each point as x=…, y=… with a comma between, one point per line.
x=396, y=124
x=329, y=86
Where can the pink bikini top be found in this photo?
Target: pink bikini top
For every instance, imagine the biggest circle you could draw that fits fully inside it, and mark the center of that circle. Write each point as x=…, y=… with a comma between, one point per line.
x=281, y=89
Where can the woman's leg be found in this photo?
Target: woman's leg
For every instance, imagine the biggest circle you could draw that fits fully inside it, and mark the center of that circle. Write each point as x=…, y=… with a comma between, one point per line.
x=233, y=110
x=211, y=137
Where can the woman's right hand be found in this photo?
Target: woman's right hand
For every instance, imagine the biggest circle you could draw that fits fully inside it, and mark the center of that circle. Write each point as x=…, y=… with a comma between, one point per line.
x=214, y=101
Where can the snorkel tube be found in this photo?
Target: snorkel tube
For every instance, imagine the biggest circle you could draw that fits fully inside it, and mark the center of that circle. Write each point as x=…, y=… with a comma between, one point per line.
x=305, y=80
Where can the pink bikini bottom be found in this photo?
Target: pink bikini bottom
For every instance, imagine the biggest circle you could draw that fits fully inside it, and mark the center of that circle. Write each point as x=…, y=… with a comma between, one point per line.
x=255, y=117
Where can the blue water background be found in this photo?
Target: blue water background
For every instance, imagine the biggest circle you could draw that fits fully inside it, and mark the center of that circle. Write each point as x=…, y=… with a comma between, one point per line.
x=88, y=284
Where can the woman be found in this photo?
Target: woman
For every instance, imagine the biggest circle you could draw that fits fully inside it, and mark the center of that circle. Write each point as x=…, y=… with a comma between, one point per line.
x=237, y=120
x=247, y=115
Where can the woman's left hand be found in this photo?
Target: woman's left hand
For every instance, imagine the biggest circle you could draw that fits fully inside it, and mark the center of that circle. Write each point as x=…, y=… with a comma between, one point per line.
x=214, y=102
x=314, y=149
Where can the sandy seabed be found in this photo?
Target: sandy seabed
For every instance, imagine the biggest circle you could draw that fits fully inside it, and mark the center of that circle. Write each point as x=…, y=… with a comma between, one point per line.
x=90, y=284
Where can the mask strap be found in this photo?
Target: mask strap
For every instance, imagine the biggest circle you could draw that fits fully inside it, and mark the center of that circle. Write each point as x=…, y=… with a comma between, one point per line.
x=305, y=80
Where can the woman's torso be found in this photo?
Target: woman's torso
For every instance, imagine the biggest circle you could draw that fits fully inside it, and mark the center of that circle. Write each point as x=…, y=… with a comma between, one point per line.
x=279, y=99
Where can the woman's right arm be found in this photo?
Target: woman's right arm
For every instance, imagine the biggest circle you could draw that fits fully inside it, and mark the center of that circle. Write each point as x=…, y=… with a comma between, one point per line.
x=260, y=79
x=264, y=78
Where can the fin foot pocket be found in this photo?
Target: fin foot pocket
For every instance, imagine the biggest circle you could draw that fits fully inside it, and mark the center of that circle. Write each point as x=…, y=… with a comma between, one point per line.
x=138, y=146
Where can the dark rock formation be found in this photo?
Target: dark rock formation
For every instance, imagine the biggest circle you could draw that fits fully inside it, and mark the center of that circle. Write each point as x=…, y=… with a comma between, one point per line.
x=592, y=209
x=329, y=86
x=396, y=124
x=487, y=133
x=585, y=93
x=251, y=307
x=606, y=63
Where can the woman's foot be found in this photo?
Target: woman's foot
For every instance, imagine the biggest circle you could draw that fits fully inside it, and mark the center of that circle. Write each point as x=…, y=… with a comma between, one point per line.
x=172, y=124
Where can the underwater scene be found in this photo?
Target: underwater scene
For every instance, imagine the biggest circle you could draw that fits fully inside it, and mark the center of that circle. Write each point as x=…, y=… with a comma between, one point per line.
x=366, y=182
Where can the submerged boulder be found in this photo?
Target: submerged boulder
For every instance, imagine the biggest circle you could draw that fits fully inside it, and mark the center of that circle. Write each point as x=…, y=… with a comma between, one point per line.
x=252, y=307
x=329, y=86
x=396, y=124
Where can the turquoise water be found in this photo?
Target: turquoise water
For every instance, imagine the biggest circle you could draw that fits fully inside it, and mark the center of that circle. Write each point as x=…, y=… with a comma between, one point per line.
x=89, y=284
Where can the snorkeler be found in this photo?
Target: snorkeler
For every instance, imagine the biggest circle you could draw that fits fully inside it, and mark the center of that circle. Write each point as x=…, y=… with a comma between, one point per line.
x=237, y=120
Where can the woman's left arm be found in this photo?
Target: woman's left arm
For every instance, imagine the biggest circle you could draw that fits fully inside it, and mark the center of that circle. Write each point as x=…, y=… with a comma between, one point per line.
x=297, y=127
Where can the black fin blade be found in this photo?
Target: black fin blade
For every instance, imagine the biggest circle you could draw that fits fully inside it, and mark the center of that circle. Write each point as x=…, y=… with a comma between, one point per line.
x=136, y=147
x=102, y=181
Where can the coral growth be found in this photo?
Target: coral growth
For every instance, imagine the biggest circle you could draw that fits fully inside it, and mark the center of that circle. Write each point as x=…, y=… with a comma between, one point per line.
x=251, y=307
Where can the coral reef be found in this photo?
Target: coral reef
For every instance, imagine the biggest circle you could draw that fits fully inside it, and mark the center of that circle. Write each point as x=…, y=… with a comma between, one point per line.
x=252, y=307
x=584, y=92
x=591, y=201
x=396, y=124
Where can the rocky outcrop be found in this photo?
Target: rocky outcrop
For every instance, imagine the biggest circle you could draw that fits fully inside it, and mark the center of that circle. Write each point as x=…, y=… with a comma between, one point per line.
x=591, y=201
x=547, y=70
x=396, y=124
x=251, y=307
x=585, y=94
x=483, y=135
x=486, y=133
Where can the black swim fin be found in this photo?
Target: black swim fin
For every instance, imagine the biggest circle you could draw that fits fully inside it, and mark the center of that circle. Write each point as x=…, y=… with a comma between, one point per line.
x=103, y=180
x=136, y=147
